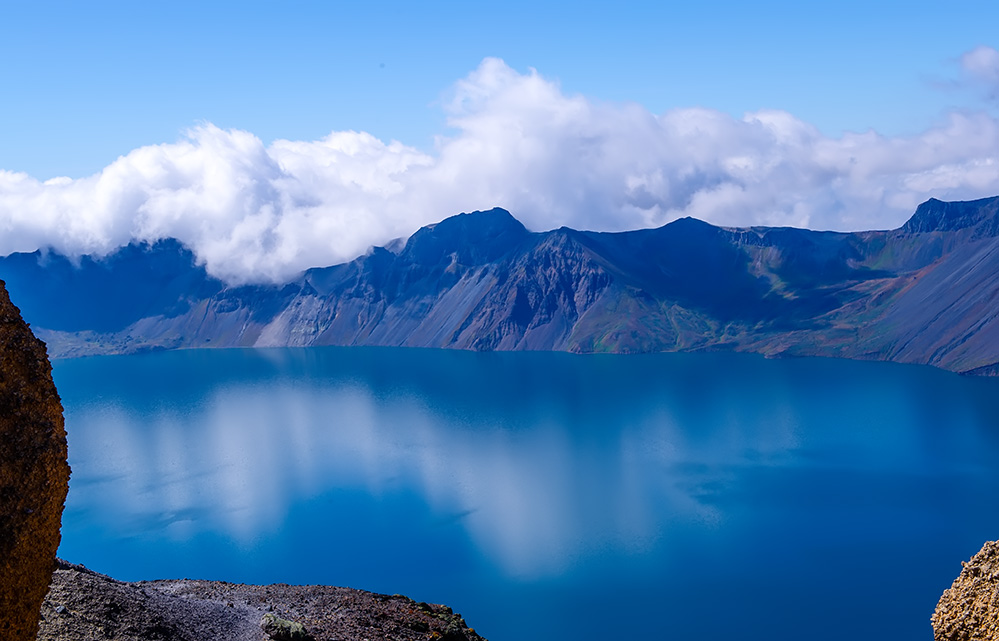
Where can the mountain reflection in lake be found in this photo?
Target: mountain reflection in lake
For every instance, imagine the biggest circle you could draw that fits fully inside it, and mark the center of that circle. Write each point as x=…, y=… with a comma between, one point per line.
x=543, y=495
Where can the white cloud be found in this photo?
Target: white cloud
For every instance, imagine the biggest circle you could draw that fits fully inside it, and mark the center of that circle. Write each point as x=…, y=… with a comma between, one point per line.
x=253, y=212
x=982, y=63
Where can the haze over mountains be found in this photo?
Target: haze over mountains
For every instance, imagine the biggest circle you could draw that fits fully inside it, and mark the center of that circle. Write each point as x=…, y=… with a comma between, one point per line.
x=923, y=293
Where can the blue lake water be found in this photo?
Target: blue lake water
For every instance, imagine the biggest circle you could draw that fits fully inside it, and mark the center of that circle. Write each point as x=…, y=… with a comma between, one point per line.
x=544, y=495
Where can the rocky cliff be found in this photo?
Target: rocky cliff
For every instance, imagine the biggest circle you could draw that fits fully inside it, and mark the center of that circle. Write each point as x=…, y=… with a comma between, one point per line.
x=922, y=293
x=34, y=474
x=969, y=610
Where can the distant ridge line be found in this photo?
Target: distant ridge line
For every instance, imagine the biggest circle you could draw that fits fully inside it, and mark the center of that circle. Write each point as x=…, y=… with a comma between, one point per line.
x=481, y=281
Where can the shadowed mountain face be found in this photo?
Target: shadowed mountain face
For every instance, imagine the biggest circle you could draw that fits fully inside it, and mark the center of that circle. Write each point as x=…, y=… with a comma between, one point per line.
x=919, y=294
x=110, y=294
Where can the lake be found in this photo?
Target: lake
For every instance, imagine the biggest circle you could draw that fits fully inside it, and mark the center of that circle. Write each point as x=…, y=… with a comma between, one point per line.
x=544, y=495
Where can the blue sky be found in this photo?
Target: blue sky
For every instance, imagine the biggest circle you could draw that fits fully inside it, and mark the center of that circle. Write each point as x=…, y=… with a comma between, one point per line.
x=85, y=83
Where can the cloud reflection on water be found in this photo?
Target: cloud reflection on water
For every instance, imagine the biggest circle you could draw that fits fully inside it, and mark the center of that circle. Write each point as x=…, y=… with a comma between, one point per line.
x=532, y=499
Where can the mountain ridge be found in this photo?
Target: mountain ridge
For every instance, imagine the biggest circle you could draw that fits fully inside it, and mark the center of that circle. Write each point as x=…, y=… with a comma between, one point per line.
x=918, y=294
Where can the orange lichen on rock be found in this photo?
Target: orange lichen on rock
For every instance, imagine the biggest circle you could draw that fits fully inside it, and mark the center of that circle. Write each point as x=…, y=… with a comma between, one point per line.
x=34, y=474
x=969, y=610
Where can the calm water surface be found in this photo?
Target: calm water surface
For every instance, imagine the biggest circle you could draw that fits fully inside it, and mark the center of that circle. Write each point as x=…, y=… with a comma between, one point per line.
x=544, y=496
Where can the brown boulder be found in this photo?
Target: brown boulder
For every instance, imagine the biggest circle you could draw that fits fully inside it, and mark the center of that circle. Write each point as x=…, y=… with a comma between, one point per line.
x=969, y=610
x=34, y=474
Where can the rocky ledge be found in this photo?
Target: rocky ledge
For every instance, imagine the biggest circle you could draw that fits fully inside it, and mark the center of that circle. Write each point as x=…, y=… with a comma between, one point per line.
x=83, y=605
x=969, y=610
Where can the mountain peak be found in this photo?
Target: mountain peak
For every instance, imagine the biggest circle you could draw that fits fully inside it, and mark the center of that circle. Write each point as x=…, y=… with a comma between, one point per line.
x=937, y=215
x=495, y=218
x=476, y=238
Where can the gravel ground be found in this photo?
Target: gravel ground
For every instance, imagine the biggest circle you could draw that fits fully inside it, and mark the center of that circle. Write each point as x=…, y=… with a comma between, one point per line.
x=84, y=605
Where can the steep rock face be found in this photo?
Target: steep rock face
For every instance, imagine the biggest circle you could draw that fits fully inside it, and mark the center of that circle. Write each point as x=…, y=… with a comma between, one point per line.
x=34, y=475
x=969, y=610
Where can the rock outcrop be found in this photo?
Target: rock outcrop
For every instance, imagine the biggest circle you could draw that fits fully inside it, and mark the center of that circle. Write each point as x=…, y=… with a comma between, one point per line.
x=34, y=474
x=969, y=610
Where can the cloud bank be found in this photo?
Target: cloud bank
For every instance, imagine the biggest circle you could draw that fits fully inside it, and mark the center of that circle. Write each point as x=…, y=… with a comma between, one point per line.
x=253, y=212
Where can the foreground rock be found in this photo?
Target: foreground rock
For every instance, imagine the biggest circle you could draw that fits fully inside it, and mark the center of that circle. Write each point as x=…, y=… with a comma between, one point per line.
x=34, y=475
x=83, y=605
x=969, y=610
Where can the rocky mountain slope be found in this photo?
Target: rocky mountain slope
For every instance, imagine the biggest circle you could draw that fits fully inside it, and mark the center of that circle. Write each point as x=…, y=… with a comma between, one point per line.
x=923, y=293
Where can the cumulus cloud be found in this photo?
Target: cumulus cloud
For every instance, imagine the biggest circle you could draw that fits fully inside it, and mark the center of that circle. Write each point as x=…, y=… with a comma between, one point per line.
x=253, y=212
